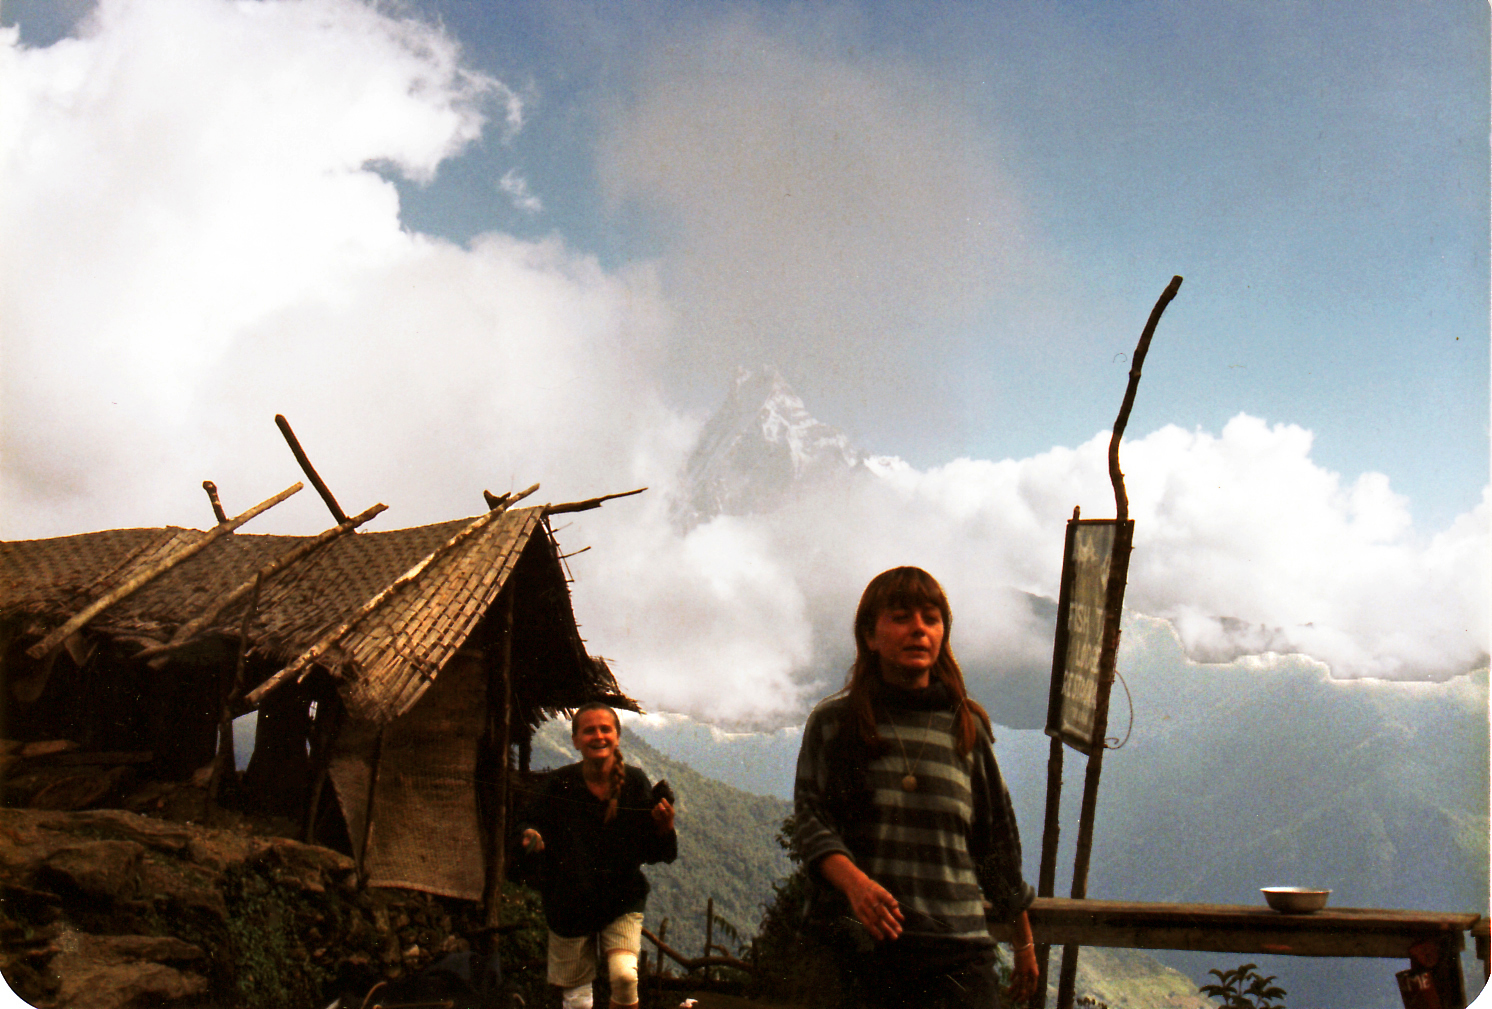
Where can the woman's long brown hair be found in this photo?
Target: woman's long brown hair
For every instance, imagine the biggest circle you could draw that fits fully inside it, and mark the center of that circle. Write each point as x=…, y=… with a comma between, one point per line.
x=618, y=770
x=909, y=588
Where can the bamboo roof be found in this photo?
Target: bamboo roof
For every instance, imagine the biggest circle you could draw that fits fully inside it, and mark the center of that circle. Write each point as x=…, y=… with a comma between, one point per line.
x=383, y=612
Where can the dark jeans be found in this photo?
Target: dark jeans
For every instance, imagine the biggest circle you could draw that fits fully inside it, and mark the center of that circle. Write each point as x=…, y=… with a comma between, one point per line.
x=908, y=974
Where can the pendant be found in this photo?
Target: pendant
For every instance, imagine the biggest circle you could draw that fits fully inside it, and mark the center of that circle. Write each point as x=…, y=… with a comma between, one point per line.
x=909, y=783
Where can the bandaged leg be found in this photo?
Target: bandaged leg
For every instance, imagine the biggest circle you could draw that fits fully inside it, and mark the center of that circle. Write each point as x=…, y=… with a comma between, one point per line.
x=622, y=942
x=622, y=966
x=578, y=998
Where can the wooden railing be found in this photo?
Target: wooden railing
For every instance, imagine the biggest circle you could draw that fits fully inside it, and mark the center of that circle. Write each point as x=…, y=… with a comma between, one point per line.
x=1430, y=940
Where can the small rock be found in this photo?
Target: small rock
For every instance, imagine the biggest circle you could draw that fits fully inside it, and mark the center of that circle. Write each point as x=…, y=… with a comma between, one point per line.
x=154, y=948
x=108, y=972
x=104, y=869
x=47, y=748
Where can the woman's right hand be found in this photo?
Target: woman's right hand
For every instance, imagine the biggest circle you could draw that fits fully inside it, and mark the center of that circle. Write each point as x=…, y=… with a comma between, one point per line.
x=532, y=842
x=870, y=902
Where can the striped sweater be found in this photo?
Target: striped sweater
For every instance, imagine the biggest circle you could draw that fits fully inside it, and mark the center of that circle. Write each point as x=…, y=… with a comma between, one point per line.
x=942, y=849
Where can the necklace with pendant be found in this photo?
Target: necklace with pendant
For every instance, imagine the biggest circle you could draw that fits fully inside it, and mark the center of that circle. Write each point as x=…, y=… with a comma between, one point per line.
x=909, y=780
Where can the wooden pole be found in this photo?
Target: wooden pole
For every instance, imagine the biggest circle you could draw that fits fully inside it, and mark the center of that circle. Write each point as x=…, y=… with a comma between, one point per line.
x=51, y=641
x=1051, y=834
x=308, y=469
x=212, y=498
x=325, y=729
x=1052, y=827
x=1113, y=605
x=709, y=930
x=298, y=667
x=362, y=851
x=226, y=761
x=1121, y=499
x=504, y=738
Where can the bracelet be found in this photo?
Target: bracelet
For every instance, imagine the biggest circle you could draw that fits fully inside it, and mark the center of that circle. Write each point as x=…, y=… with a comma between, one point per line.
x=1029, y=945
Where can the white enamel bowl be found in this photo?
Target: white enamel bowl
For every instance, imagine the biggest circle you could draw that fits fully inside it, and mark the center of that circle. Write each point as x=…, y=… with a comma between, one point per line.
x=1295, y=899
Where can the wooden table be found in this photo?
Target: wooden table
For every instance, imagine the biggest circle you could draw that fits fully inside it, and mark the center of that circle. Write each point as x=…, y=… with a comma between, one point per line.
x=1225, y=928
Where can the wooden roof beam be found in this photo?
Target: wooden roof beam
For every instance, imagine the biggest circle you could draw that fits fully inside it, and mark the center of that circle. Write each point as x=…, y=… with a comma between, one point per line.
x=496, y=501
x=212, y=497
x=187, y=632
x=588, y=503
x=43, y=647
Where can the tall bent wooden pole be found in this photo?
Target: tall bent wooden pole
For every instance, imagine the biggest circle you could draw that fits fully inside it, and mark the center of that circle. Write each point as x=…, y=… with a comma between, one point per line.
x=1118, y=574
x=305, y=464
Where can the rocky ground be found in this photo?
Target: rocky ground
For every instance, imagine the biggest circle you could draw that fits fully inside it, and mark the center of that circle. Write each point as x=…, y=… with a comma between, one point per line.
x=109, y=909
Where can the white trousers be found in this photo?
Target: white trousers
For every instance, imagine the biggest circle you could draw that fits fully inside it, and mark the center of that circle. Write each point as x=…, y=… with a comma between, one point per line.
x=572, y=961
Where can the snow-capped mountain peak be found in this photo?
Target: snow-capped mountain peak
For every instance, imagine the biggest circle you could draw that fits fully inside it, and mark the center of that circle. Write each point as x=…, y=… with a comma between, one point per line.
x=757, y=447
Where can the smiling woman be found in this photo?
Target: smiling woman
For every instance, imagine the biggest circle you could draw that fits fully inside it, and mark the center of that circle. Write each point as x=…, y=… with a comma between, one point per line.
x=599, y=821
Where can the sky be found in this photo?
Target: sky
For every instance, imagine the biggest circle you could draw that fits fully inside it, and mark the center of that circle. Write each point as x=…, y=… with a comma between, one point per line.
x=474, y=245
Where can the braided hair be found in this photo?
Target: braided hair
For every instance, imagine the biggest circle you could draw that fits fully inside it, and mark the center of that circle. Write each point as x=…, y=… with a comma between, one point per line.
x=618, y=767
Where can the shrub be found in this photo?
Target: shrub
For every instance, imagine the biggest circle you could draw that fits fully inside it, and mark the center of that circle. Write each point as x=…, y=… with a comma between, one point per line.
x=1244, y=987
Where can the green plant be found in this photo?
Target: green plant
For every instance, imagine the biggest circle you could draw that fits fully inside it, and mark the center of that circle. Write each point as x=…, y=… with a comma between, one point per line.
x=271, y=966
x=1244, y=987
x=524, y=947
x=804, y=938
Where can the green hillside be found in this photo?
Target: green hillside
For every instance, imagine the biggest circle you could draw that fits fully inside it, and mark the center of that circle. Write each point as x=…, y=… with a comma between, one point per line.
x=1250, y=774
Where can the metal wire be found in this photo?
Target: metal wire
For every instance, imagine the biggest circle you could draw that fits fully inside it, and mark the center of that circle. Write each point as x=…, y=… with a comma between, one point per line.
x=1111, y=743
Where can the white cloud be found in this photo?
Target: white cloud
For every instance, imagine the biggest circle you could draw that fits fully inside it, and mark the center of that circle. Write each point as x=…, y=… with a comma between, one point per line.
x=749, y=616
x=516, y=188
x=712, y=622
x=1247, y=526
x=195, y=241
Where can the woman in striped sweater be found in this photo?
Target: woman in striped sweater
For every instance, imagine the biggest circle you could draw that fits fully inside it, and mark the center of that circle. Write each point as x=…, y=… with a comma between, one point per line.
x=901, y=808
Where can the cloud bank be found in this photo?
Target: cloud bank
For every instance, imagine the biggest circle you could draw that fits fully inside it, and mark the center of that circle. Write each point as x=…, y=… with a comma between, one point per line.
x=812, y=207
x=1242, y=542
x=201, y=232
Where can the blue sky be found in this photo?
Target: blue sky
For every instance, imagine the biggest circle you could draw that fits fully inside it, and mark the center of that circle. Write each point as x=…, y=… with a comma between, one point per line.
x=468, y=245
x=1317, y=172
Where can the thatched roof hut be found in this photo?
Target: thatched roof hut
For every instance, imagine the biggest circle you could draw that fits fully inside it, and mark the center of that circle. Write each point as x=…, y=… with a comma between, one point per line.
x=407, y=662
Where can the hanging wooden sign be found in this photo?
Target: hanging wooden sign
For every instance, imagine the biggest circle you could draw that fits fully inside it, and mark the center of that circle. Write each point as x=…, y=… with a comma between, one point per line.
x=1079, y=690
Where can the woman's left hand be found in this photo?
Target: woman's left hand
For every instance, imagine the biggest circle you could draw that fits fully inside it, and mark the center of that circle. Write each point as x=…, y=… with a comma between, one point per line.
x=1025, y=976
x=663, y=817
